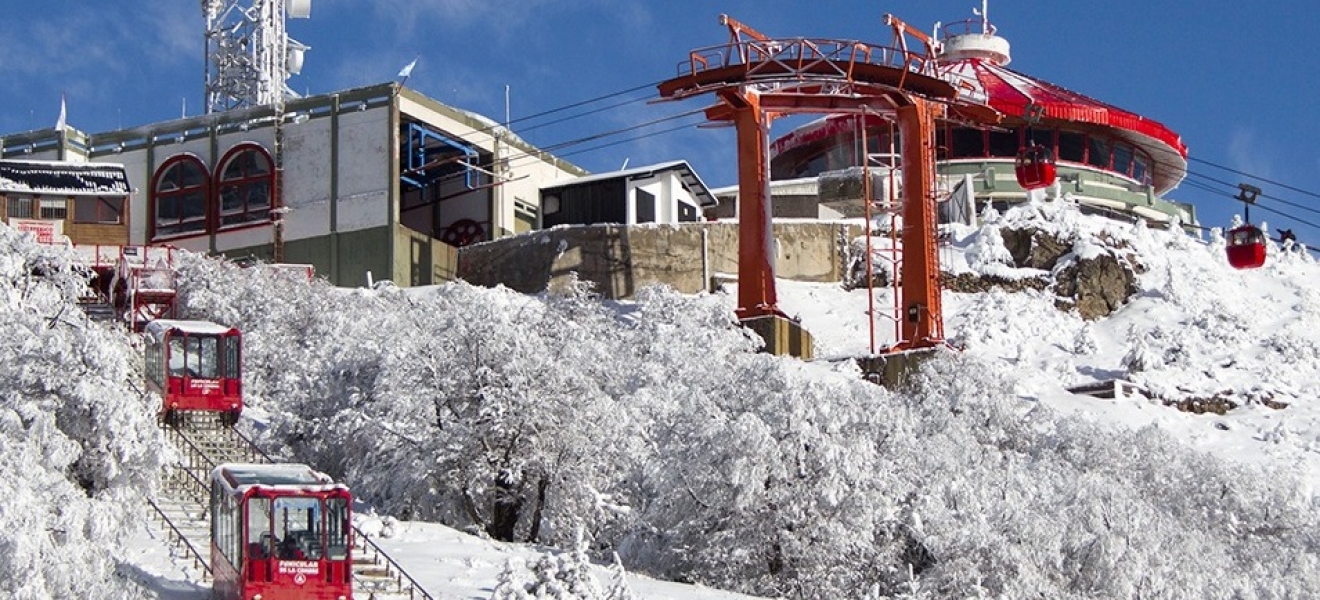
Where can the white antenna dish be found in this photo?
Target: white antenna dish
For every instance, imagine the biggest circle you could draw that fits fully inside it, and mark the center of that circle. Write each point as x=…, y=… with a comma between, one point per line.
x=300, y=9
x=296, y=53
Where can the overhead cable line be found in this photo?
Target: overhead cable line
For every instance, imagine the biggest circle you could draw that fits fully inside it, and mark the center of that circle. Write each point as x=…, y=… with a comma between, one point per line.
x=1256, y=177
x=586, y=102
x=537, y=154
x=635, y=138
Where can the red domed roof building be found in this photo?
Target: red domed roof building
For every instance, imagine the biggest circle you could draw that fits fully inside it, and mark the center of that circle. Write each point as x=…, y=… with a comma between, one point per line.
x=1108, y=159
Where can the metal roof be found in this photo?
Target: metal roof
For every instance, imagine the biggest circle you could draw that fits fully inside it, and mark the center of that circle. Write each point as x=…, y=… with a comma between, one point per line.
x=1011, y=92
x=691, y=181
x=56, y=178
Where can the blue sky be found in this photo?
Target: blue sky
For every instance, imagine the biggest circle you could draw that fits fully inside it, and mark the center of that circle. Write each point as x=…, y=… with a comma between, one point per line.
x=1236, y=80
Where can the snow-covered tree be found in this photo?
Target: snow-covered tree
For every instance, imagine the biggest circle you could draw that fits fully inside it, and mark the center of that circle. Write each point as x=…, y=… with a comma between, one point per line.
x=79, y=451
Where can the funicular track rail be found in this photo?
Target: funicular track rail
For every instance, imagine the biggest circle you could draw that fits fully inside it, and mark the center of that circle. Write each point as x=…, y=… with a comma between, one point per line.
x=206, y=442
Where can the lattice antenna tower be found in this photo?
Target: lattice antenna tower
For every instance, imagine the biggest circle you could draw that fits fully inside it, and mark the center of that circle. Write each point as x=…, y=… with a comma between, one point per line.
x=249, y=55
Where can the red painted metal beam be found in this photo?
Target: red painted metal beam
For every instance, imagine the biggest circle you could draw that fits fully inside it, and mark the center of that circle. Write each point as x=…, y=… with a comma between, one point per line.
x=757, y=296
x=923, y=315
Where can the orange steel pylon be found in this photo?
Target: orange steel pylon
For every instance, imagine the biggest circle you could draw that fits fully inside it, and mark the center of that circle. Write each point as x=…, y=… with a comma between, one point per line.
x=758, y=78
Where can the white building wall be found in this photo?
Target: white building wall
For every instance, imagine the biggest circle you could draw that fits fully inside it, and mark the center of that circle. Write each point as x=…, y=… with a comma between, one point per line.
x=307, y=178
x=365, y=178
x=139, y=180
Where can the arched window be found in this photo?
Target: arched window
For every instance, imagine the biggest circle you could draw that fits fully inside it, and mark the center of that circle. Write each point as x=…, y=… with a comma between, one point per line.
x=245, y=185
x=178, y=196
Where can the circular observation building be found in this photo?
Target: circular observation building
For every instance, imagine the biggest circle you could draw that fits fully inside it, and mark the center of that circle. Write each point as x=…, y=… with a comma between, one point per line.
x=1109, y=160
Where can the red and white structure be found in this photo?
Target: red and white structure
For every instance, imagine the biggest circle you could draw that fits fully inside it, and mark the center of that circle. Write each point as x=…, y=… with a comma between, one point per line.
x=1107, y=159
x=195, y=367
x=280, y=532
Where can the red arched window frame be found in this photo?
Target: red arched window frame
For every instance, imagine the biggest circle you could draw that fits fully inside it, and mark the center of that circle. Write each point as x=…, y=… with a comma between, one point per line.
x=179, y=192
x=244, y=186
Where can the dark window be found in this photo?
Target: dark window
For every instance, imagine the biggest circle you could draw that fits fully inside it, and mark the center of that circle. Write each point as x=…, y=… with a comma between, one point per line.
x=337, y=523
x=686, y=212
x=54, y=209
x=232, y=358
x=1122, y=158
x=1043, y=138
x=968, y=143
x=98, y=210
x=1098, y=151
x=246, y=185
x=179, y=196
x=1139, y=169
x=645, y=206
x=807, y=167
x=1072, y=146
x=1003, y=143
x=20, y=208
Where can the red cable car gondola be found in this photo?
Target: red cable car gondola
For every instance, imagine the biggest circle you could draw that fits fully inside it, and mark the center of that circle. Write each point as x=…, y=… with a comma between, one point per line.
x=1034, y=167
x=1246, y=243
x=1246, y=247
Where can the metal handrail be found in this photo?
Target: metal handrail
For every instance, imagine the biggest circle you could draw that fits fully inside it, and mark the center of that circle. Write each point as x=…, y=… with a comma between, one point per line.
x=189, y=466
x=197, y=555
x=414, y=588
x=803, y=50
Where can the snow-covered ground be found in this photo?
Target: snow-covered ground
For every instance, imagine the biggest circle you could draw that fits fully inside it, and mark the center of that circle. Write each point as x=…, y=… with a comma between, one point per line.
x=993, y=471
x=449, y=564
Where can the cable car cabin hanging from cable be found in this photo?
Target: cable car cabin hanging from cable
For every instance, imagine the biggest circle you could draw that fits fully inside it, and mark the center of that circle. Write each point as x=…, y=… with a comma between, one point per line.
x=1246, y=247
x=1034, y=167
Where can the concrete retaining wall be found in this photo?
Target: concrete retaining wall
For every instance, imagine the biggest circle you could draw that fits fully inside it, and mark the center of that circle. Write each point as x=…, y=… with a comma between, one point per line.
x=621, y=260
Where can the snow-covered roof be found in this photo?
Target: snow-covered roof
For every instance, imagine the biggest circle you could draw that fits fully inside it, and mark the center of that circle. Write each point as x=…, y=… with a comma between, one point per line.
x=60, y=178
x=691, y=181
x=159, y=327
x=807, y=186
x=237, y=477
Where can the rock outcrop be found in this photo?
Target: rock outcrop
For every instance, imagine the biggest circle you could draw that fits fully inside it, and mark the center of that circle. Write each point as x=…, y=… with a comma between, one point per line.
x=1095, y=286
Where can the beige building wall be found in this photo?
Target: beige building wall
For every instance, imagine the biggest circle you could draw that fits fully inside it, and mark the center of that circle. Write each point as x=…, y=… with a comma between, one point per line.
x=620, y=260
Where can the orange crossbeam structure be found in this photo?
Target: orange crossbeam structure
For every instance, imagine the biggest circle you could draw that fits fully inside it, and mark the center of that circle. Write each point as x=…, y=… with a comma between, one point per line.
x=759, y=80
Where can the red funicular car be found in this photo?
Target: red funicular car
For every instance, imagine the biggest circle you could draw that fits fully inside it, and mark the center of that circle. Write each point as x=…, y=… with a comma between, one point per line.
x=279, y=532
x=195, y=366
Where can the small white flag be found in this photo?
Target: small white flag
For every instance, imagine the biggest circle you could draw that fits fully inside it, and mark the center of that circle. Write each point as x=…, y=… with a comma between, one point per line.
x=59, y=124
x=407, y=70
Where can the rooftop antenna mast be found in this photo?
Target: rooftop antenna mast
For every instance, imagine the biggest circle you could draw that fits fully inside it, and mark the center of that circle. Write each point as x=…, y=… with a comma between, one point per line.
x=984, y=13
x=249, y=55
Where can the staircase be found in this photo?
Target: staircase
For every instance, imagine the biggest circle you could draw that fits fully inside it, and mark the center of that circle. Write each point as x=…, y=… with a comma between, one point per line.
x=182, y=508
x=377, y=577
x=98, y=309
x=204, y=442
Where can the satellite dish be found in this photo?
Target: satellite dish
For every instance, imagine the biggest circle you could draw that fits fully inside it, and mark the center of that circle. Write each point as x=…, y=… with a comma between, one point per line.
x=294, y=57
x=299, y=9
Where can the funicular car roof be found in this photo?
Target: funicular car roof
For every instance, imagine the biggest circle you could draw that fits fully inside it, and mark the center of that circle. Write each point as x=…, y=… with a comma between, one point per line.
x=237, y=477
x=159, y=327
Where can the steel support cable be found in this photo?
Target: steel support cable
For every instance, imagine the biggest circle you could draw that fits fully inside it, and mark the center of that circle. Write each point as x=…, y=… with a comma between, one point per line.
x=580, y=103
x=636, y=137
x=520, y=156
x=580, y=115
x=605, y=134
x=1256, y=177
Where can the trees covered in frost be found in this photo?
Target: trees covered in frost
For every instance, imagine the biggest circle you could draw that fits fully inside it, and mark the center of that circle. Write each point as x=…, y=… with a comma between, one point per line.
x=658, y=427
x=78, y=443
